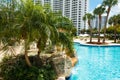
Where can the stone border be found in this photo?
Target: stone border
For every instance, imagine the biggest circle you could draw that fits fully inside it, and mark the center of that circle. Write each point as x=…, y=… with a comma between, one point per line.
x=108, y=45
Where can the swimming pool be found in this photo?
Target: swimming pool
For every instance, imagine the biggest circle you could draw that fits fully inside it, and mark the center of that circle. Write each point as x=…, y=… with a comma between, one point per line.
x=96, y=63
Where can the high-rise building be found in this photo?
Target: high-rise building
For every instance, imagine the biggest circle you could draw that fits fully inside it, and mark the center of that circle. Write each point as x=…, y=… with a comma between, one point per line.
x=95, y=21
x=73, y=9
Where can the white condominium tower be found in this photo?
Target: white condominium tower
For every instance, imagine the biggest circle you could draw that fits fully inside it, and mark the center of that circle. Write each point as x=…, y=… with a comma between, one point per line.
x=73, y=9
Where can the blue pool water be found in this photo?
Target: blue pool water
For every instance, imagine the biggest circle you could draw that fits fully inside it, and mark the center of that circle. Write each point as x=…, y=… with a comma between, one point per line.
x=96, y=63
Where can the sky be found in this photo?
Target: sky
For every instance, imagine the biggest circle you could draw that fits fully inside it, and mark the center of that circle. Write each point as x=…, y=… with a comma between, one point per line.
x=94, y=3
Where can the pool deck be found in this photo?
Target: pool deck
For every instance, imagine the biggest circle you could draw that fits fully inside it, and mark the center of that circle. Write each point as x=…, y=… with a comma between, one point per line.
x=84, y=42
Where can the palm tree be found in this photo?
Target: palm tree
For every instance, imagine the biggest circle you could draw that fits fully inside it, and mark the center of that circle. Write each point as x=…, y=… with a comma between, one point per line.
x=114, y=20
x=61, y=27
x=65, y=28
x=89, y=17
x=33, y=26
x=84, y=19
x=24, y=26
x=7, y=30
x=99, y=11
x=29, y=25
x=109, y=4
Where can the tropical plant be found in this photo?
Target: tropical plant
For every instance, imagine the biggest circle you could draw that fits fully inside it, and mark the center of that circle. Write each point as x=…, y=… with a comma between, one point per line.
x=118, y=30
x=109, y=4
x=15, y=68
x=65, y=29
x=7, y=26
x=115, y=21
x=99, y=11
x=21, y=23
x=89, y=17
x=110, y=30
x=33, y=26
x=32, y=23
x=59, y=25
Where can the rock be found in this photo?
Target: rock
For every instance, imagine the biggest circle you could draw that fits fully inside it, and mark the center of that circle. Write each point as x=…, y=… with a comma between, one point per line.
x=59, y=65
x=63, y=65
x=74, y=61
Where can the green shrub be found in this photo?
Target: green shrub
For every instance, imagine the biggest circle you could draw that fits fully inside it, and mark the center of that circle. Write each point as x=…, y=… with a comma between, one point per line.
x=16, y=69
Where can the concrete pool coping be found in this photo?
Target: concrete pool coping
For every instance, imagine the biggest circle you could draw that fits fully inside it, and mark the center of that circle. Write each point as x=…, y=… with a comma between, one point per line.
x=84, y=43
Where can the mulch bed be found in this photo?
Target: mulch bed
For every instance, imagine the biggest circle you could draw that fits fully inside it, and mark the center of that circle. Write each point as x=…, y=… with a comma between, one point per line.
x=97, y=43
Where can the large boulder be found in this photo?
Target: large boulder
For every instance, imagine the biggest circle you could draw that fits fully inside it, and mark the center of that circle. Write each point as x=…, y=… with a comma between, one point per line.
x=62, y=65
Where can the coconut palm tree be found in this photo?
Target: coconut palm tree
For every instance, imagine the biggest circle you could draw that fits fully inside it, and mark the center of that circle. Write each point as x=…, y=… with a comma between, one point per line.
x=29, y=25
x=89, y=17
x=115, y=21
x=99, y=11
x=33, y=26
x=65, y=28
x=24, y=28
x=109, y=4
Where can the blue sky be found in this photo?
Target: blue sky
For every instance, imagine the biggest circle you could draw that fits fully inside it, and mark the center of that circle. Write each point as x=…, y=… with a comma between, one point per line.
x=93, y=4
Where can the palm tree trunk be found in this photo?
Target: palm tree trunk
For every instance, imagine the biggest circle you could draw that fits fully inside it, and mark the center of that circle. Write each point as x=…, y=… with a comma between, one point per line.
x=115, y=34
x=108, y=11
x=99, y=28
x=90, y=35
x=38, y=46
x=84, y=27
x=90, y=30
x=26, y=56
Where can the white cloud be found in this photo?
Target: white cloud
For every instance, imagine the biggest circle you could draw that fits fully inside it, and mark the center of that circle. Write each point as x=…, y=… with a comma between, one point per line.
x=98, y=5
x=115, y=10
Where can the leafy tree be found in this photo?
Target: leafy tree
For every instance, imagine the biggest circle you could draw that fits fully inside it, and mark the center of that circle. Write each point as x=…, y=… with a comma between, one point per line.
x=99, y=11
x=32, y=23
x=110, y=30
x=115, y=21
x=7, y=25
x=89, y=17
x=118, y=29
x=66, y=29
x=109, y=4
x=33, y=26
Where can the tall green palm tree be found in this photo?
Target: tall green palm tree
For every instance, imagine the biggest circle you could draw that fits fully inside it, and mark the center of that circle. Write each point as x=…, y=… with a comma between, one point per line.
x=109, y=4
x=24, y=24
x=89, y=17
x=62, y=26
x=31, y=23
x=99, y=11
x=47, y=30
x=33, y=26
x=65, y=28
x=115, y=21
x=65, y=40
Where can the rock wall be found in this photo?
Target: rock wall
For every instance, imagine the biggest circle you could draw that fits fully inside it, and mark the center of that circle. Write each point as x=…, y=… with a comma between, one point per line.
x=63, y=65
